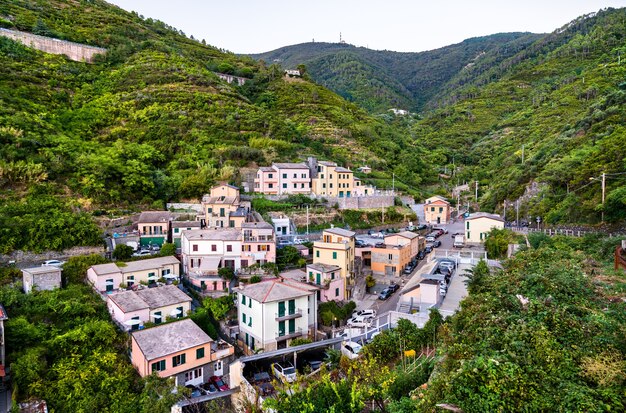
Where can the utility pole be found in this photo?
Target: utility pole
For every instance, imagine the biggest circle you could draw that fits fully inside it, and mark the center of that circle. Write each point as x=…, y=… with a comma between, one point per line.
x=476, y=191
x=505, y=210
x=517, y=212
x=307, y=220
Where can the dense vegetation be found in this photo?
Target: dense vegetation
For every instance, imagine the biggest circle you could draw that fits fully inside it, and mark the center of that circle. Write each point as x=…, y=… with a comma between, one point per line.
x=552, y=115
x=151, y=122
x=545, y=333
x=381, y=79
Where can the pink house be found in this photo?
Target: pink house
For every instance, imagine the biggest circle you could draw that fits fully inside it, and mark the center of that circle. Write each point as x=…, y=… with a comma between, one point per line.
x=259, y=244
x=283, y=178
x=180, y=350
x=329, y=278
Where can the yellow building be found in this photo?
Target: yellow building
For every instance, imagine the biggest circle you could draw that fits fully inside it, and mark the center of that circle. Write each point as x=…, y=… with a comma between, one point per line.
x=333, y=180
x=222, y=207
x=337, y=248
x=477, y=226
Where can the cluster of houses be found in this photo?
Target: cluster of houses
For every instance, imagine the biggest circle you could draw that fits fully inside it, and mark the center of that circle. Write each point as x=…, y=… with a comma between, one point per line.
x=320, y=178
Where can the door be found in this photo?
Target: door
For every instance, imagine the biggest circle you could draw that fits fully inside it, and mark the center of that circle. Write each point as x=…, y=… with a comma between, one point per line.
x=194, y=377
x=292, y=326
x=318, y=279
x=281, y=328
x=292, y=307
x=281, y=308
x=109, y=285
x=438, y=220
x=218, y=367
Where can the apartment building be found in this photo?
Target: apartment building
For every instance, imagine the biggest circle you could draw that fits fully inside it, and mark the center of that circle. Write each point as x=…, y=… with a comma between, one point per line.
x=223, y=208
x=437, y=210
x=478, y=225
x=328, y=279
x=154, y=227
x=337, y=248
x=111, y=276
x=258, y=243
x=283, y=179
x=332, y=180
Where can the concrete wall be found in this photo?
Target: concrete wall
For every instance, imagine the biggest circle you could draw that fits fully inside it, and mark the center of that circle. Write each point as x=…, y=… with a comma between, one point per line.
x=362, y=202
x=74, y=51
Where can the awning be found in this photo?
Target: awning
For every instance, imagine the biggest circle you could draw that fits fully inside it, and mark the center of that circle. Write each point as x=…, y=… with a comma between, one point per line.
x=157, y=316
x=175, y=312
x=210, y=263
x=132, y=322
x=152, y=277
x=170, y=276
x=109, y=283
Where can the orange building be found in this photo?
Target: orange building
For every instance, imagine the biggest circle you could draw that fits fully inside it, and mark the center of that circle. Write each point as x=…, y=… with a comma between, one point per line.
x=390, y=260
x=437, y=210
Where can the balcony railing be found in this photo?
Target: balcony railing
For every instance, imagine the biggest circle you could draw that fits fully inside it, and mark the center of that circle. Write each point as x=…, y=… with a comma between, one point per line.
x=288, y=315
x=260, y=238
x=288, y=334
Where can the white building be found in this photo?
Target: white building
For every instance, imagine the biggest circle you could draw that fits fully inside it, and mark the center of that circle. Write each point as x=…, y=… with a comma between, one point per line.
x=272, y=313
x=477, y=226
x=282, y=225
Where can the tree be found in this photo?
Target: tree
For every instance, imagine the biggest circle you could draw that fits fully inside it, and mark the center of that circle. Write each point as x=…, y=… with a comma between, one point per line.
x=157, y=395
x=370, y=282
x=226, y=272
x=168, y=249
x=255, y=279
x=476, y=277
x=75, y=269
x=219, y=307
x=122, y=252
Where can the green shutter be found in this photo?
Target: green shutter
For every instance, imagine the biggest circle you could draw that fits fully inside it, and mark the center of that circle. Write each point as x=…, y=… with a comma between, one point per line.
x=334, y=255
x=292, y=326
x=281, y=308
x=200, y=353
x=292, y=306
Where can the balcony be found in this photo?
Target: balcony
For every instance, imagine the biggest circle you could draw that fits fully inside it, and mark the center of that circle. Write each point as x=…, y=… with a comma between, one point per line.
x=280, y=336
x=288, y=315
x=260, y=238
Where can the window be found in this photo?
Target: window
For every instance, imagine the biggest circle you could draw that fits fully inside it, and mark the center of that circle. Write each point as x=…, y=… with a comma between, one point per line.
x=130, y=280
x=158, y=318
x=178, y=360
x=271, y=186
x=330, y=185
x=229, y=248
x=222, y=213
x=243, y=299
x=317, y=254
x=332, y=275
x=213, y=247
x=440, y=209
x=336, y=292
x=295, y=185
x=284, y=176
x=285, y=186
x=244, y=318
x=323, y=185
x=334, y=255
x=250, y=302
x=390, y=257
x=270, y=176
x=200, y=353
x=432, y=209
x=322, y=176
x=158, y=366
x=194, y=248
x=304, y=175
x=467, y=223
x=250, y=321
x=231, y=223
x=295, y=175
x=210, y=210
x=301, y=185
x=176, y=230
x=179, y=312
x=218, y=365
x=193, y=374
x=331, y=176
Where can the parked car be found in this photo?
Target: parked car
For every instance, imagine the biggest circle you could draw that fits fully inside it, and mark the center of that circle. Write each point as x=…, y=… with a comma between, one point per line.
x=421, y=255
x=384, y=294
x=315, y=364
x=53, y=263
x=283, y=243
x=421, y=227
x=446, y=264
x=393, y=287
x=219, y=383
x=364, y=313
x=209, y=388
x=380, y=245
x=409, y=269
x=156, y=248
x=195, y=390
x=436, y=244
x=430, y=238
x=298, y=241
x=428, y=249
x=285, y=371
x=351, y=349
x=142, y=253
x=359, y=243
x=442, y=291
x=359, y=321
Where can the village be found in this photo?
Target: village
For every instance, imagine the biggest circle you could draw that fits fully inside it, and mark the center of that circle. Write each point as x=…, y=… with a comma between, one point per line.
x=339, y=288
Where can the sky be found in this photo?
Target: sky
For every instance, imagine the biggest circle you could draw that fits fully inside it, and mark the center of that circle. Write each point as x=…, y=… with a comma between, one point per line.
x=255, y=26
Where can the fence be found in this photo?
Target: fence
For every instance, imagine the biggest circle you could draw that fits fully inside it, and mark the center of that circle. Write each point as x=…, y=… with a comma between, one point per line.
x=562, y=231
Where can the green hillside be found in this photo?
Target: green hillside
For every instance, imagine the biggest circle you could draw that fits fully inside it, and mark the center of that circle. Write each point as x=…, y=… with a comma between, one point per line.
x=561, y=101
x=379, y=80
x=151, y=122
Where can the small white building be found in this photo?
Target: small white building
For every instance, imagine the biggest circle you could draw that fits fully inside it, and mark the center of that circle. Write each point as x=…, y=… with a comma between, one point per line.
x=41, y=278
x=477, y=226
x=282, y=225
x=272, y=313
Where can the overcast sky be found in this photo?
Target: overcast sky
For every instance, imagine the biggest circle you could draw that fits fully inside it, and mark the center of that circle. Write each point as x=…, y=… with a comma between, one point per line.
x=254, y=26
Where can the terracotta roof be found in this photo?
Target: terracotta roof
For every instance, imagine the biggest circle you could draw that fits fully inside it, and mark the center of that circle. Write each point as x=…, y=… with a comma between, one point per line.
x=477, y=215
x=154, y=216
x=340, y=231
x=148, y=264
x=163, y=340
x=277, y=290
x=216, y=234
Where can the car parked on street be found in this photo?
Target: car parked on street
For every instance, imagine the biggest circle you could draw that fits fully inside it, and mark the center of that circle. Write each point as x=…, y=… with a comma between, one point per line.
x=142, y=253
x=384, y=294
x=53, y=263
x=393, y=287
x=209, y=388
x=364, y=313
x=195, y=390
x=428, y=249
x=408, y=269
x=351, y=349
x=430, y=238
x=359, y=321
x=421, y=255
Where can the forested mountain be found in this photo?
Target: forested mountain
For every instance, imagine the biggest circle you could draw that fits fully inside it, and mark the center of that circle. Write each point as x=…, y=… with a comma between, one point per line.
x=150, y=121
x=378, y=80
x=552, y=115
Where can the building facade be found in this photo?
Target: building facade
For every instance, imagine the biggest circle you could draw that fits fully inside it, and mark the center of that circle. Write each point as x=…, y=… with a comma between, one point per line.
x=283, y=179
x=154, y=227
x=328, y=279
x=110, y=277
x=41, y=278
x=272, y=313
x=337, y=248
x=258, y=243
x=478, y=225
x=333, y=180
x=437, y=210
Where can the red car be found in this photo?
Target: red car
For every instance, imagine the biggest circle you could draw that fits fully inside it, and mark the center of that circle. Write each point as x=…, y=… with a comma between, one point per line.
x=219, y=383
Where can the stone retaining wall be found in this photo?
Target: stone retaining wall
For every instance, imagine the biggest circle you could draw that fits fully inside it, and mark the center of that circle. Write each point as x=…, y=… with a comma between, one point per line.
x=26, y=256
x=74, y=51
